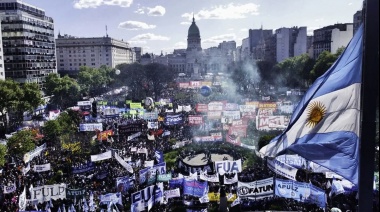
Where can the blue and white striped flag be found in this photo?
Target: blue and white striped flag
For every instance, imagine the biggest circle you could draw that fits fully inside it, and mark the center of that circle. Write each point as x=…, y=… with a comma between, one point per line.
x=325, y=125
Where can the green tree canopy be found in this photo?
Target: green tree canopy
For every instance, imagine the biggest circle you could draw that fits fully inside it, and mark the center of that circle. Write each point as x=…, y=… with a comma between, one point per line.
x=94, y=81
x=65, y=90
x=3, y=152
x=293, y=72
x=18, y=98
x=324, y=61
x=158, y=78
x=21, y=142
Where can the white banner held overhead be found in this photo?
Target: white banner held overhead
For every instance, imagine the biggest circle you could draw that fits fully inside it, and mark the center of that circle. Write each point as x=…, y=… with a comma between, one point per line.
x=210, y=178
x=131, y=137
x=259, y=188
x=9, y=189
x=172, y=193
x=123, y=163
x=48, y=192
x=282, y=169
x=227, y=166
x=30, y=155
x=102, y=156
x=42, y=168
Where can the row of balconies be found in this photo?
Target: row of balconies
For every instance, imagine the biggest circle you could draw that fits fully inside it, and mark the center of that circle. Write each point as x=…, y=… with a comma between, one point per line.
x=27, y=30
x=25, y=22
x=26, y=53
x=26, y=45
x=28, y=38
x=26, y=60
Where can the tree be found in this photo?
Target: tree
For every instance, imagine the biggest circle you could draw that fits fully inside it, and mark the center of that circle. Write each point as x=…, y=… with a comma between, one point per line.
x=51, y=130
x=3, y=152
x=158, y=78
x=21, y=142
x=18, y=98
x=94, y=81
x=293, y=72
x=324, y=61
x=65, y=91
x=133, y=76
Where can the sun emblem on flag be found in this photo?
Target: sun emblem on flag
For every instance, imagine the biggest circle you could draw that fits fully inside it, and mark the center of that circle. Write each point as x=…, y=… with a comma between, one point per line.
x=316, y=112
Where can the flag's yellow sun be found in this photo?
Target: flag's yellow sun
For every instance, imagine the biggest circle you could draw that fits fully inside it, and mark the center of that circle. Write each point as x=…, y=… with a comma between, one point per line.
x=316, y=112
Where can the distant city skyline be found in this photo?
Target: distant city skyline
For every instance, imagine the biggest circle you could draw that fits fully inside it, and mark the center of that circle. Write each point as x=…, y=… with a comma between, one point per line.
x=162, y=25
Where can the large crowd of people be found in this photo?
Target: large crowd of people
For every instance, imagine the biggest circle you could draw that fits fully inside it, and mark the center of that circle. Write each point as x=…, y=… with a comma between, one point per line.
x=99, y=177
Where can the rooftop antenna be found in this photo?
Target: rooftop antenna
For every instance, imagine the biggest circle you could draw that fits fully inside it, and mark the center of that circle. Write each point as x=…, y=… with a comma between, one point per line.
x=106, y=31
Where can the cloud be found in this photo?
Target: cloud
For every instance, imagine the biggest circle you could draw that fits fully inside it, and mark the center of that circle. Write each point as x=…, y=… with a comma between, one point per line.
x=149, y=36
x=137, y=42
x=229, y=11
x=243, y=30
x=152, y=11
x=220, y=38
x=156, y=11
x=84, y=4
x=135, y=25
x=140, y=11
x=185, y=23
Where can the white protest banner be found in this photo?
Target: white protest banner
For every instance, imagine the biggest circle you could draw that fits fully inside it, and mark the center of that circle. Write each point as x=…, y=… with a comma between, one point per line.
x=42, y=168
x=210, y=178
x=47, y=192
x=331, y=175
x=227, y=166
x=172, y=193
x=146, y=194
x=26, y=169
x=148, y=163
x=9, y=189
x=150, y=137
x=91, y=127
x=233, y=115
x=102, y=156
x=204, y=199
x=22, y=200
x=282, y=169
x=123, y=163
x=152, y=125
x=115, y=198
x=133, y=149
x=233, y=180
x=131, y=137
x=256, y=188
x=30, y=155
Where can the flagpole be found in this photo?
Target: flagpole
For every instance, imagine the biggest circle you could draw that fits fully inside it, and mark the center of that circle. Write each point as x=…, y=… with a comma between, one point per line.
x=369, y=100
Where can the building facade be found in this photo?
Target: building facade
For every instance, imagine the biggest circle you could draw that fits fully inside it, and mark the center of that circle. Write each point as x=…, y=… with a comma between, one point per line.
x=2, y=73
x=358, y=19
x=74, y=52
x=331, y=38
x=290, y=42
x=28, y=42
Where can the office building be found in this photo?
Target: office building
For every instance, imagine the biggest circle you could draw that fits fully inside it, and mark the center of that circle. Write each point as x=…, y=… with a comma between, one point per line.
x=74, y=52
x=27, y=42
x=331, y=38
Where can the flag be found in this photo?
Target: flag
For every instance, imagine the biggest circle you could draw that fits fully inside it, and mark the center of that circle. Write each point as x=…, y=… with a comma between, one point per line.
x=22, y=200
x=85, y=206
x=91, y=202
x=325, y=125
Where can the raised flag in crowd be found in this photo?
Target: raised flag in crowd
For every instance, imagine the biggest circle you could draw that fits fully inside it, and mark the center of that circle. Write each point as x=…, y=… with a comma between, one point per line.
x=325, y=125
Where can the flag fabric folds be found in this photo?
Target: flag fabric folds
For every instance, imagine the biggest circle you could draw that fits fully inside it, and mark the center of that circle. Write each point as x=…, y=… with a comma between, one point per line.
x=325, y=125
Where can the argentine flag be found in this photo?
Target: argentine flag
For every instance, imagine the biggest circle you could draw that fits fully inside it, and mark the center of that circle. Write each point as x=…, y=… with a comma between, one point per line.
x=325, y=125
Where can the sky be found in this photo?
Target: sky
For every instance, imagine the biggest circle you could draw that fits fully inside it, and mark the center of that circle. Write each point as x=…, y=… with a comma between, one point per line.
x=162, y=25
